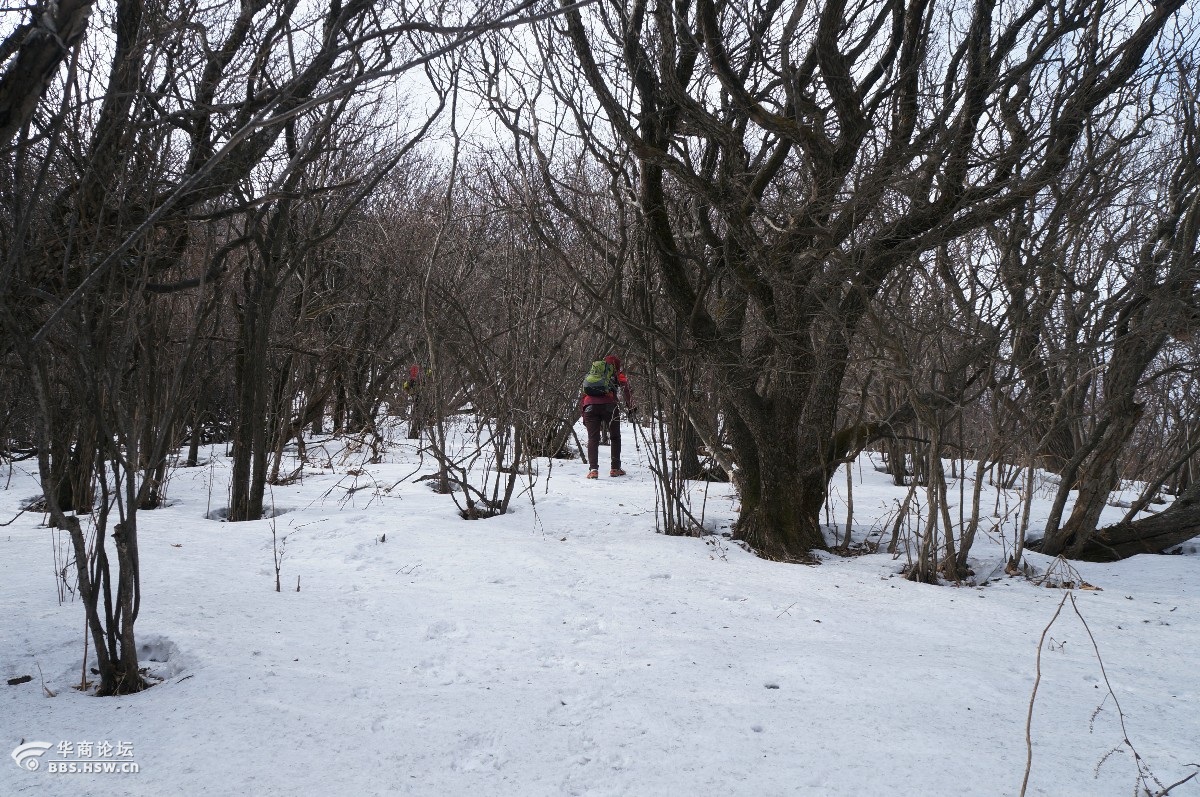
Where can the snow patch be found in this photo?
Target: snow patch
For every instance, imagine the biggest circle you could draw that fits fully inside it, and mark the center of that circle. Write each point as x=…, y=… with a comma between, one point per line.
x=161, y=658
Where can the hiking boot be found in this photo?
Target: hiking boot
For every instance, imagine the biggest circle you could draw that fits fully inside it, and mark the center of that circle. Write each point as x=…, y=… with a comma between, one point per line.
x=616, y=472
x=592, y=474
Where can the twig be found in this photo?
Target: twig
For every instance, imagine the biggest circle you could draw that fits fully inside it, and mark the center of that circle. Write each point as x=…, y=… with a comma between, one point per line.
x=1036, y=681
x=1167, y=790
x=1144, y=774
x=43, y=680
x=14, y=520
x=83, y=681
x=1143, y=768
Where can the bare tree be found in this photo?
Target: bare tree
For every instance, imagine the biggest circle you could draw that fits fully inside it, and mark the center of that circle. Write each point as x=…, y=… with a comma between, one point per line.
x=1156, y=301
x=117, y=172
x=781, y=162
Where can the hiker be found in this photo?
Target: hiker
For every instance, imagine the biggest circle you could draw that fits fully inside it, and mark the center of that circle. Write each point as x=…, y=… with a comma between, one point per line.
x=598, y=407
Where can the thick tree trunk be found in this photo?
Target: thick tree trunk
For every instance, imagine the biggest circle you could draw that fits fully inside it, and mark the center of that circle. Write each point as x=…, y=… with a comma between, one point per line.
x=359, y=420
x=781, y=493
x=780, y=515
x=1155, y=534
x=240, y=505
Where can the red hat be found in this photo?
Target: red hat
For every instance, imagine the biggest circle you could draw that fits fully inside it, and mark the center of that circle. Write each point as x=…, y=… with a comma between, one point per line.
x=614, y=361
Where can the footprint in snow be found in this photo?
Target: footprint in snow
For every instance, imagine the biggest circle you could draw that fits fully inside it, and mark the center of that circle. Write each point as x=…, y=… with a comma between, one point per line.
x=479, y=751
x=445, y=629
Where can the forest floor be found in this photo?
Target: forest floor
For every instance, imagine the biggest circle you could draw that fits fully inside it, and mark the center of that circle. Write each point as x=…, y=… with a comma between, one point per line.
x=566, y=648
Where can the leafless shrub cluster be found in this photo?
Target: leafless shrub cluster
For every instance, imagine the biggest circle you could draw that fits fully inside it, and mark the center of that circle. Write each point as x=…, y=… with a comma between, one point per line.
x=182, y=185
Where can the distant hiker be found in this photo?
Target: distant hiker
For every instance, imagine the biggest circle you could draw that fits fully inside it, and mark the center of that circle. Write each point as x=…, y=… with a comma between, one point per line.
x=598, y=407
x=414, y=378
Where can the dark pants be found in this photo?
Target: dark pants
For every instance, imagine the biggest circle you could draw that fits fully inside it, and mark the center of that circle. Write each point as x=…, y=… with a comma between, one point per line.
x=594, y=417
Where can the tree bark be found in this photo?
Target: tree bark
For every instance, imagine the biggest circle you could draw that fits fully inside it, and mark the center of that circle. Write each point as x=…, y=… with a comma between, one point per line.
x=781, y=493
x=47, y=40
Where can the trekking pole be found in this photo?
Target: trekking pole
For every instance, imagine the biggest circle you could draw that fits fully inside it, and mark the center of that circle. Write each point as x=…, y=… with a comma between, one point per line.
x=642, y=432
x=580, y=445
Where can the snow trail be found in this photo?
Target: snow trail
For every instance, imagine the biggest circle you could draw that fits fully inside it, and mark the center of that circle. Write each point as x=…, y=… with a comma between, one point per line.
x=565, y=648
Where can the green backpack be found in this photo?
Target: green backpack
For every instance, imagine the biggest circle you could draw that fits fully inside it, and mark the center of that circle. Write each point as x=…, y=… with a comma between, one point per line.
x=600, y=380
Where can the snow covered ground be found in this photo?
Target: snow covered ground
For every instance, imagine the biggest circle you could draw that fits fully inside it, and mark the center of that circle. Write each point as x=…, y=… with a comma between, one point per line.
x=566, y=648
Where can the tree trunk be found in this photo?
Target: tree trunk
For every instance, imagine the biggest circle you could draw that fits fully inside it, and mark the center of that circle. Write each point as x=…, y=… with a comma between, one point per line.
x=1155, y=534
x=193, y=454
x=1099, y=473
x=44, y=47
x=780, y=515
x=689, y=456
x=75, y=491
x=1058, y=446
x=117, y=675
x=129, y=679
x=416, y=410
x=895, y=454
x=1095, y=483
x=250, y=434
x=318, y=418
x=339, y=404
x=781, y=493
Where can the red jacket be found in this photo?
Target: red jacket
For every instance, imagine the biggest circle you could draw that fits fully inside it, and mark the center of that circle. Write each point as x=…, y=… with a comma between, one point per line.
x=611, y=398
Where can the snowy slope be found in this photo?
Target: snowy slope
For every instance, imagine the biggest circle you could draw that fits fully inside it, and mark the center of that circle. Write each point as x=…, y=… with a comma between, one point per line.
x=566, y=648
